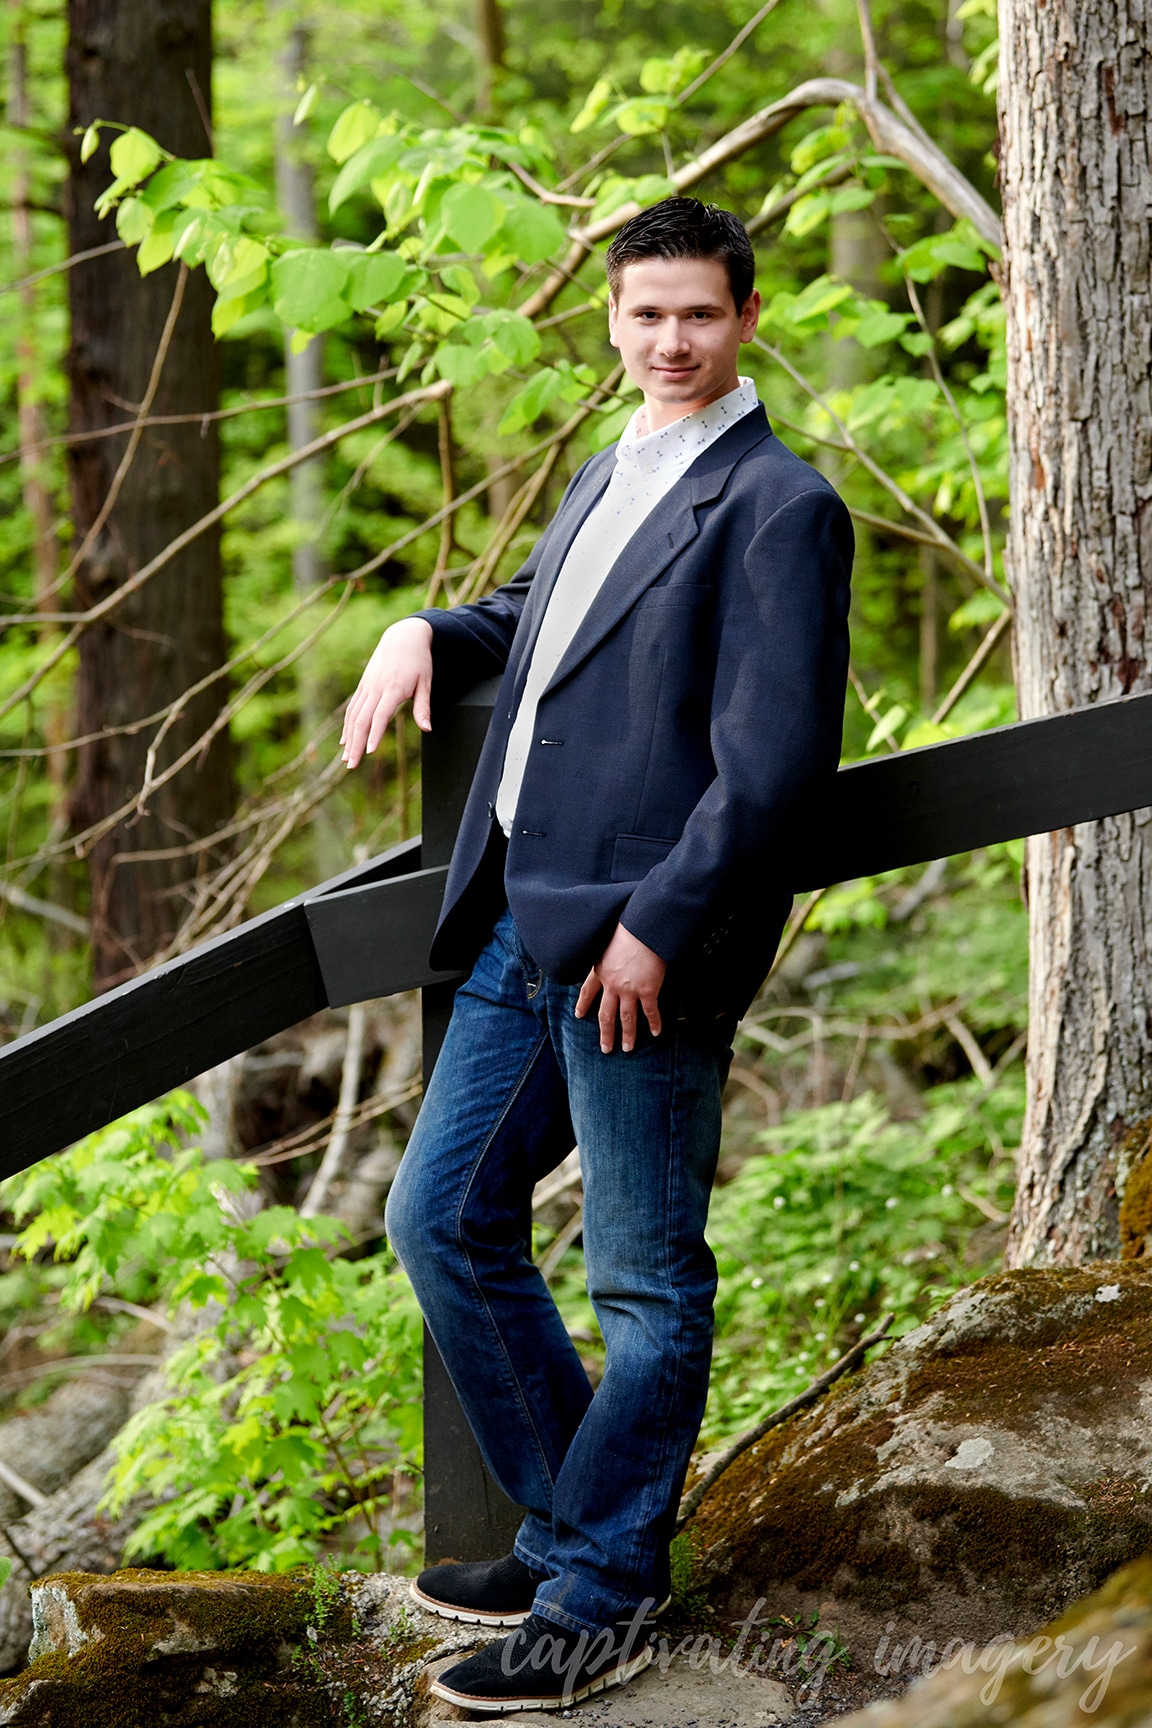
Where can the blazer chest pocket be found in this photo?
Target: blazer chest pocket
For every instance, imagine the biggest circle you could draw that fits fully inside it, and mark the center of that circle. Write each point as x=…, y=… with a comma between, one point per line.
x=634, y=855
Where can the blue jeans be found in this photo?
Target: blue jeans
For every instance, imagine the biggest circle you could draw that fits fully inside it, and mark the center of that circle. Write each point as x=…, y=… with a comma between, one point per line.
x=519, y=1081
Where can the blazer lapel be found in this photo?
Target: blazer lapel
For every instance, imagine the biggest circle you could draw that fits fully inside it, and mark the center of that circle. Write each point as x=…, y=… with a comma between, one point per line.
x=660, y=539
x=583, y=501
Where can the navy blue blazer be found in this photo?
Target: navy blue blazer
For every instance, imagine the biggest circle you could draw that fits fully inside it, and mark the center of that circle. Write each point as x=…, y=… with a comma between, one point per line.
x=699, y=700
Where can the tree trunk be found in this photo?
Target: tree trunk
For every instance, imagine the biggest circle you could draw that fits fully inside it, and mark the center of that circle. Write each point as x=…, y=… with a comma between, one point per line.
x=490, y=58
x=31, y=377
x=1075, y=90
x=149, y=63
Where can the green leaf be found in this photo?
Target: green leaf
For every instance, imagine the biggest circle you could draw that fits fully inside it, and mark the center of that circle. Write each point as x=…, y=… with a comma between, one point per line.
x=391, y=321
x=881, y=327
x=461, y=365
x=460, y=280
x=650, y=188
x=530, y=403
x=5, y=1569
x=374, y=279
x=595, y=103
x=307, y=290
x=305, y=105
x=355, y=126
x=534, y=231
x=825, y=141
x=229, y=309
x=917, y=342
x=369, y=162
x=133, y=221
x=887, y=727
x=89, y=145
x=642, y=116
x=851, y=198
x=515, y=337
x=807, y=214
x=134, y=155
x=175, y=183
x=471, y=216
x=158, y=244
x=242, y=261
x=983, y=608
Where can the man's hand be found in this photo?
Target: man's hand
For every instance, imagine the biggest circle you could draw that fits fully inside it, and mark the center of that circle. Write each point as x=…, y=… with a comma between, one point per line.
x=401, y=667
x=627, y=974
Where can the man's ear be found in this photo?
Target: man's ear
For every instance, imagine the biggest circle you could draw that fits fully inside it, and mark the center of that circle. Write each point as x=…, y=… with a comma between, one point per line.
x=613, y=314
x=750, y=317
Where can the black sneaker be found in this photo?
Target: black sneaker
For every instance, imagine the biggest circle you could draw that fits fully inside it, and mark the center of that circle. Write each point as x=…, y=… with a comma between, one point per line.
x=543, y=1666
x=479, y=1592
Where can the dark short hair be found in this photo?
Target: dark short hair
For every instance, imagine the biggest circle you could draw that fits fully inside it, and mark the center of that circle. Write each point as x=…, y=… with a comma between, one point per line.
x=685, y=228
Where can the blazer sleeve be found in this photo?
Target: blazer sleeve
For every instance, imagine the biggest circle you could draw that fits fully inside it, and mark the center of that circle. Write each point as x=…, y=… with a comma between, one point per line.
x=776, y=725
x=474, y=641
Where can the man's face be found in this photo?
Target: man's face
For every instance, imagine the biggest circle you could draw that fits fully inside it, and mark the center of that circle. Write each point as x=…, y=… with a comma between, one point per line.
x=678, y=330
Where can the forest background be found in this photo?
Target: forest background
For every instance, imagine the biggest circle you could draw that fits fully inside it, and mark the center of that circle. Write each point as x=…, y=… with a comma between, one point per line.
x=382, y=226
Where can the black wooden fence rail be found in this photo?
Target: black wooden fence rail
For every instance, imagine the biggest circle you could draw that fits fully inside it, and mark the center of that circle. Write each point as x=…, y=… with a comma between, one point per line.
x=366, y=934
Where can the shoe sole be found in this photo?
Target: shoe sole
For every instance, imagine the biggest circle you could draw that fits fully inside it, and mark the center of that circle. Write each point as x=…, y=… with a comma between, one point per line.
x=469, y=1616
x=511, y=1706
x=476, y=1616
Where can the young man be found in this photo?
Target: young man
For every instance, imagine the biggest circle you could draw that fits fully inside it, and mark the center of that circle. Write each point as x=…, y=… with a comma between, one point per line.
x=674, y=655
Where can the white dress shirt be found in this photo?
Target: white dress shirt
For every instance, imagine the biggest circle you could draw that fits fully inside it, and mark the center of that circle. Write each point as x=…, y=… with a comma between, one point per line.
x=648, y=465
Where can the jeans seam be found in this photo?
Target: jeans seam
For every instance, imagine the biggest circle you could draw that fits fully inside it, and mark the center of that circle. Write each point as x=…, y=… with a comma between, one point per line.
x=474, y=1280
x=655, y=1473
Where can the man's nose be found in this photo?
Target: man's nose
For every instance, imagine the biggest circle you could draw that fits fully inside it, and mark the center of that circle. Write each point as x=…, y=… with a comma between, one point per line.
x=673, y=337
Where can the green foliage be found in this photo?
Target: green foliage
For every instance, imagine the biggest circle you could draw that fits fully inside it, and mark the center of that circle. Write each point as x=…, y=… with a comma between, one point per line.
x=294, y=1396
x=845, y=1215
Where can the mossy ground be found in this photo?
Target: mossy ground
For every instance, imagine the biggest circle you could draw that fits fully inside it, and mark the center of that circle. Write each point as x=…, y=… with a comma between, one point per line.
x=206, y=1650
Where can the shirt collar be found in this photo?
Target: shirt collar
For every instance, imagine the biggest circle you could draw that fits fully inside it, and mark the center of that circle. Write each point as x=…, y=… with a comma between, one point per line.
x=650, y=452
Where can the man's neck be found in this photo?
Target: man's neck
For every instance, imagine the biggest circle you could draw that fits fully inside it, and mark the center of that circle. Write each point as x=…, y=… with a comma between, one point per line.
x=657, y=415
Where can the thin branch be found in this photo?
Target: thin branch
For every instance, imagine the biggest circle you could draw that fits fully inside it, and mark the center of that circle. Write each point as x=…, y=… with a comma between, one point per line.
x=793, y=929
x=22, y=902
x=871, y=57
x=888, y=132
x=733, y=47
x=851, y=1359
x=58, y=269
x=126, y=460
x=932, y=527
x=973, y=667
x=174, y=547
x=204, y=419
x=954, y=408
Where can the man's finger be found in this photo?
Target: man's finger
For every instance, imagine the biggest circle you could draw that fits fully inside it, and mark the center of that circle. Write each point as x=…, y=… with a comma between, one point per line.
x=422, y=702
x=627, y=1022
x=609, y=1003
x=589, y=991
x=651, y=1007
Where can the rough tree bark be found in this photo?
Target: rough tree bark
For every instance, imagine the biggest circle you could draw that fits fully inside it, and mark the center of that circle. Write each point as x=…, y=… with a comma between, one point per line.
x=147, y=62
x=1076, y=102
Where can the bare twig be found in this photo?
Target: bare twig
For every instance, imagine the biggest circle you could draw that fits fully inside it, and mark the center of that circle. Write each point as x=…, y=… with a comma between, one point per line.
x=851, y=1359
x=430, y=393
x=65, y=264
x=794, y=927
x=332, y=1163
x=937, y=535
x=54, y=914
x=974, y=665
x=733, y=47
x=126, y=460
x=207, y=418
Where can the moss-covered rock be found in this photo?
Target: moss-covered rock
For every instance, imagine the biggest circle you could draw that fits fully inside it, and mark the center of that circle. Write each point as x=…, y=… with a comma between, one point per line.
x=1094, y=1663
x=142, y=1649
x=994, y=1466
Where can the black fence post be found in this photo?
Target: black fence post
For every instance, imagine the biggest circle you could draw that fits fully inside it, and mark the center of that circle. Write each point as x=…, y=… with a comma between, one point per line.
x=466, y=1516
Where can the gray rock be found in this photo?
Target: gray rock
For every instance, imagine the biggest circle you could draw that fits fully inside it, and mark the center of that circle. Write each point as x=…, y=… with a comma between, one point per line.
x=991, y=1468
